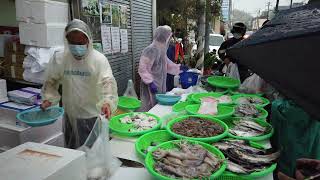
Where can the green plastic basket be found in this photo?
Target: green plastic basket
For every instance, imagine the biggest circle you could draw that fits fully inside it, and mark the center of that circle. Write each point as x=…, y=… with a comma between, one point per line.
x=123, y=129
x=129, y=103
x=172, y=144
x=263, y=113
x=265, y=101
x=208, y=139
x=181, y=106
x=223, y=111
x=233, y=92
x=230, y=124
x=144, y=141
x=223, y=82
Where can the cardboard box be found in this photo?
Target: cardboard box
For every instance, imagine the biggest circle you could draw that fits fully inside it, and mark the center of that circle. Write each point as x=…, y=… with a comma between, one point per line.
x=14, y=47
x=12, y=71
x=33, y=161
x=41, y=11
x=42, y=35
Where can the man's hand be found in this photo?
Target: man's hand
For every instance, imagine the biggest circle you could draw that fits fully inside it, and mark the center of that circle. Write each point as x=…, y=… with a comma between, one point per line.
x=45, y=104
x=312, y=165
x=106, y=110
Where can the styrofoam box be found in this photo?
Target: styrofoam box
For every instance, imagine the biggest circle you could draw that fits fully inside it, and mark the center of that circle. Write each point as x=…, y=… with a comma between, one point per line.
x=12, y=135
x=33, y=161
x=42, y=35
x=56, y=140
x=41, y=11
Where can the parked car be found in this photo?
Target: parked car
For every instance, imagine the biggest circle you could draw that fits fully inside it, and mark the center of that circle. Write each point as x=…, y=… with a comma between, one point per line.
x=215, y=41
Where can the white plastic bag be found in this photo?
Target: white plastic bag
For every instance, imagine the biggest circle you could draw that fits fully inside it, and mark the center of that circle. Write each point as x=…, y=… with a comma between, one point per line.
x=251, y=85
x=232, y=71
x=130, y=92
x=99, y=161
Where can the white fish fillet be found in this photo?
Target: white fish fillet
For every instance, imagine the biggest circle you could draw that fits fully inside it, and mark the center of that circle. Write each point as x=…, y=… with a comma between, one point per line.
x=225, y=99
x=209, y=106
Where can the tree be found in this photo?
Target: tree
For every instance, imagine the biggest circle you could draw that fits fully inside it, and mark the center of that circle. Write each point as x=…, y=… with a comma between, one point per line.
x=242, y=16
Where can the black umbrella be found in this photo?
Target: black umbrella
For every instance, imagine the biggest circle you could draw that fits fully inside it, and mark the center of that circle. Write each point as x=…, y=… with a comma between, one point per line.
x=286, y=53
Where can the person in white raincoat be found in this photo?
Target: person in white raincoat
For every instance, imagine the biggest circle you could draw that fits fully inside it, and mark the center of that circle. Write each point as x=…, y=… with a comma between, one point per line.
x=154, y=66
x=88, y=86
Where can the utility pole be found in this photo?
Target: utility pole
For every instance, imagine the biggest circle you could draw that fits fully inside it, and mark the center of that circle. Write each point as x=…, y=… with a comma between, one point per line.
x=269, y=3
x=291, y=4
x=277, y=6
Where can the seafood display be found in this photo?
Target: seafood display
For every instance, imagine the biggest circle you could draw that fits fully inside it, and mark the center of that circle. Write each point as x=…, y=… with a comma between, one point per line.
x=152, y=145
x=247, y=128
x=198, y=128
x=244, y=159
x=139, y=121
x=209, y=106
x=188, y=161
x=247, y=110
x=250, y=100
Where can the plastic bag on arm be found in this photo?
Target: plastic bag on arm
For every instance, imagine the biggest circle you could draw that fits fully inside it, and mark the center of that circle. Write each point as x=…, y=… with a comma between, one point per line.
x=233, y=71
x=99, y=161
x=130, y=92
x=251, y=85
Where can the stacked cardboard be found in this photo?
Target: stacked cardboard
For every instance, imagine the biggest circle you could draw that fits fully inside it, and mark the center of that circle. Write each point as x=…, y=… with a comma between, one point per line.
x=13, y=59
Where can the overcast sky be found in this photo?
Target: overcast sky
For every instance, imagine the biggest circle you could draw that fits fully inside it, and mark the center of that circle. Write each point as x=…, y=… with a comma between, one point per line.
x=253, y=6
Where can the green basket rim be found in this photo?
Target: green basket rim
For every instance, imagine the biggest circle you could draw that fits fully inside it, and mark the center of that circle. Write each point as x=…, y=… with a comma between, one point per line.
x=207, y=139
x=217, y=152
x=177, y=108
x=222, y=116
x=197, y=100
x=129, y=107
x=237, y=93
x=257, y=174
x=237, y=96
x=256, y=138
x=211, y=81
x=116, y=118
x=141, y=138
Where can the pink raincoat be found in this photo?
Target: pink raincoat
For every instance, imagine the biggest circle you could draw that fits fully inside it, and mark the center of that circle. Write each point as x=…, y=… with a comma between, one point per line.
x=154, y=66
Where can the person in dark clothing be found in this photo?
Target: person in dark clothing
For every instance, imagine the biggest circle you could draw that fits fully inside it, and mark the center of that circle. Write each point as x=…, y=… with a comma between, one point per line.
x=238, y=30
x=171, y=53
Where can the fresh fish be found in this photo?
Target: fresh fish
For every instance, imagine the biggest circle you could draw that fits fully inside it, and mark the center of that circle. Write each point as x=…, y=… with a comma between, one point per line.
x=245, y=133
x=256, y=159
x=239, y=145
x=247, y=110
x=250, y=124
x=236, y=168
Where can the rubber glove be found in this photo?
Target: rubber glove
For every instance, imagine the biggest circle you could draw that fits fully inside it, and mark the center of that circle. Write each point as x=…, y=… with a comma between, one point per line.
x=45, y=105
x=106, y=110
x=153, y=88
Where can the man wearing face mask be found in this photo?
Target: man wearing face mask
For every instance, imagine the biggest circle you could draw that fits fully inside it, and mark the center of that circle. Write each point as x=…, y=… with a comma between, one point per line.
x=88, y=86
x=238, y=30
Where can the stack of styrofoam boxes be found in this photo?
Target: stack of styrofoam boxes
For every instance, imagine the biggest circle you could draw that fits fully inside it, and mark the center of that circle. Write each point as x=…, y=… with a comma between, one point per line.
x=41, y=22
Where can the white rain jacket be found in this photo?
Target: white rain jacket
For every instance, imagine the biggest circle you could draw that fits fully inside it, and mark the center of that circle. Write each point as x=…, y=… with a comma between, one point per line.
x=154, y=66
x=87, y=84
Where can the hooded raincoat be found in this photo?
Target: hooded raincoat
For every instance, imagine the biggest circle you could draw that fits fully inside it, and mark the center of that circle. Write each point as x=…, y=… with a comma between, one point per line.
x=87, y=84
x=154, y=66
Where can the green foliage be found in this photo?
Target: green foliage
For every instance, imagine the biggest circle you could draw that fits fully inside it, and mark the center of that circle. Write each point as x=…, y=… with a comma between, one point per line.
x=209, y=59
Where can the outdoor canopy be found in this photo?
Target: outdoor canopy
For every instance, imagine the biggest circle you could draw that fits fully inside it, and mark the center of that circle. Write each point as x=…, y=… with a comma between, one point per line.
x=286, y=54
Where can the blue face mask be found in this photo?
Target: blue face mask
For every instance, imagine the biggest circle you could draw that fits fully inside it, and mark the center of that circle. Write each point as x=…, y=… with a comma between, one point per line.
x=78, y=50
